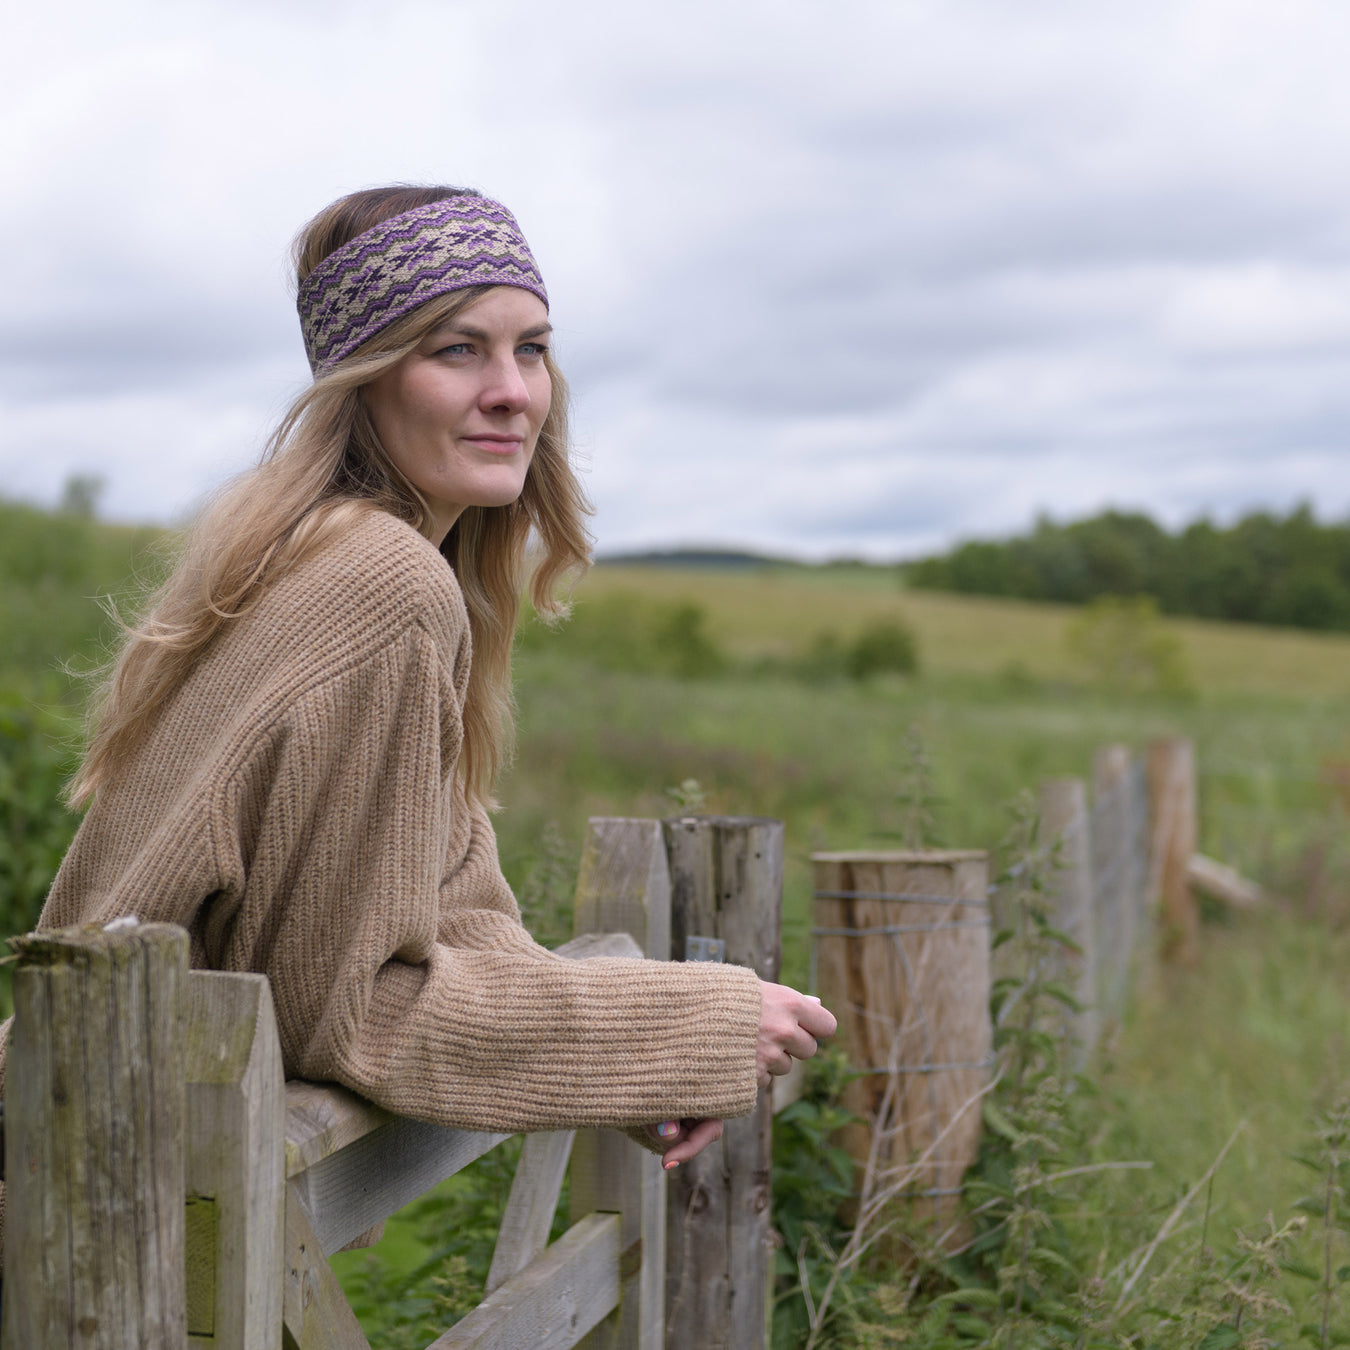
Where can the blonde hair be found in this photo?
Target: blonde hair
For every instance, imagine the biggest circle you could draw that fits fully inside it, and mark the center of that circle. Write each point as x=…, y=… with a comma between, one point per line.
x=323, y=466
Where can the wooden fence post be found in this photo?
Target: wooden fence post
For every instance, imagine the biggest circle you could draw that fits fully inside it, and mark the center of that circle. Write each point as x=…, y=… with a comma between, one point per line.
x=1172, y=842
x=624, y=887
x=902, y=959
x=1117, y=877
x=726, y=875
x=94, y=1139
x=236, y=1163
x=1065, y=823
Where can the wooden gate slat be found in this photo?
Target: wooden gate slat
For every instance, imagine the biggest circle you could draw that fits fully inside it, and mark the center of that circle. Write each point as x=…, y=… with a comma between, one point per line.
x=554, y=1302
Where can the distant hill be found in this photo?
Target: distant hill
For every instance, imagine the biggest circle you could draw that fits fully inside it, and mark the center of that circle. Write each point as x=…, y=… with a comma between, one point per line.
x=695, y=557
x=741, y=560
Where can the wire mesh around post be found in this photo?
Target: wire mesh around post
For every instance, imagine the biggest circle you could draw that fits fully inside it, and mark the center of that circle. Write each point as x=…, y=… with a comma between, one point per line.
x=902, y=959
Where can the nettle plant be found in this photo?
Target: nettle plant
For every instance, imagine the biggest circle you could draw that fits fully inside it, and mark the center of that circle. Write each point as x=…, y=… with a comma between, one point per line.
x=1051, y=1250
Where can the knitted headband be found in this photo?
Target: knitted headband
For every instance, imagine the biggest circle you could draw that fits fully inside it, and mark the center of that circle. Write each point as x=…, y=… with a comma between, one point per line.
x=404, y=261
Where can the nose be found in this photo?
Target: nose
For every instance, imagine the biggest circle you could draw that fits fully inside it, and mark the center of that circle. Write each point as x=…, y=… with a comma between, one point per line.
x=504, y=388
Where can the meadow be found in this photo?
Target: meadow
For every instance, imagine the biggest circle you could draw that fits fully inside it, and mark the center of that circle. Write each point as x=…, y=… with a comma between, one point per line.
x=722, y=687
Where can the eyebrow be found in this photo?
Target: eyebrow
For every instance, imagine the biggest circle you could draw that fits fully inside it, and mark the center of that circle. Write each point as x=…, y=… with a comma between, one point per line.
x=479, y=335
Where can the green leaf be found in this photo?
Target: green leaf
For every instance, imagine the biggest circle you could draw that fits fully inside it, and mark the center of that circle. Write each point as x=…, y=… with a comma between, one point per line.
x=971, y=1297
x=1219, y=1338
x=1063, y=938
x=999, y=1123
x=1044, y=1257
x=970, y=1326
x=1061, y=993
x=1301, y=1269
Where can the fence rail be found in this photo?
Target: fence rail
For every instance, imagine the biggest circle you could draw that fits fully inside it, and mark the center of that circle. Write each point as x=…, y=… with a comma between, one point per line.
x=167, y=1187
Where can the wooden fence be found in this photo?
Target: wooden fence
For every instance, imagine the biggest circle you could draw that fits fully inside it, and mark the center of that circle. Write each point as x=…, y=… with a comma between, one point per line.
x=902, y=953
x=166, y=1187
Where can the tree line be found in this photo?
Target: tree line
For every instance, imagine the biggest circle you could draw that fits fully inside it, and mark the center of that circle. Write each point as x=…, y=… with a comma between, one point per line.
x=1266, y=568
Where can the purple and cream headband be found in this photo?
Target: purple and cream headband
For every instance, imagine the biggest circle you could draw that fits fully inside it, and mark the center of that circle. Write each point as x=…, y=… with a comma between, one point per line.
x=405, y=261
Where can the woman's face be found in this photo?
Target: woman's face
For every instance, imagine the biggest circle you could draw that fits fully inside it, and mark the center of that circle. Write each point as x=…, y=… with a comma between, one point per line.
x=460, y=415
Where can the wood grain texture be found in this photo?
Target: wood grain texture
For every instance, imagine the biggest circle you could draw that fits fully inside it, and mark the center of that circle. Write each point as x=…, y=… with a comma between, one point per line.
x=322, y=1119
x=912, y=1004
x=95, y=1116
x=624, y=885
x=1172, y=839
x=531, y=1205
x=315, y=1312
x=552, y=1304
x=349, y=1192
x=726, y=882
x=1117, y=876
x=1066, y=828
x=235, y=1160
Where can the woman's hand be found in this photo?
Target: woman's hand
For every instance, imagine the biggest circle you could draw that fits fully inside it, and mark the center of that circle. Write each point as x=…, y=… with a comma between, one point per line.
x=684, y=1139
x=789, y=1026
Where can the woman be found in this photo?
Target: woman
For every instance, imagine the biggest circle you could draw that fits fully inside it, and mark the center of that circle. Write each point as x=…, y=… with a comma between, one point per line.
x=295, y=755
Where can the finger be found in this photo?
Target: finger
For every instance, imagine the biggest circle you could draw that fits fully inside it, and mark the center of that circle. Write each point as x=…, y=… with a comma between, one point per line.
x=816, y=1019
x=667, y=1132
x=701, y=1133
x=800, y=1045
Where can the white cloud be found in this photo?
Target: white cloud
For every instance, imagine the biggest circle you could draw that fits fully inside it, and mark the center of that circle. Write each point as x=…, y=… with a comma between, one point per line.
x=850, y=278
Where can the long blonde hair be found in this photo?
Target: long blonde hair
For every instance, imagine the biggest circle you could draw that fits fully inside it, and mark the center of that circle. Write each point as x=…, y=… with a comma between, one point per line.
x=323, y=466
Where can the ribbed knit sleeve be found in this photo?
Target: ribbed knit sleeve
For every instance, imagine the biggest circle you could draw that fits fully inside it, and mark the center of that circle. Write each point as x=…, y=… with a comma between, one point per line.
x=359, y=881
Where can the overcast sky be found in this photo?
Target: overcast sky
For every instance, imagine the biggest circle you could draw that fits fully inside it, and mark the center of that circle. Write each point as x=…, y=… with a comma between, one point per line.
x=856, y=276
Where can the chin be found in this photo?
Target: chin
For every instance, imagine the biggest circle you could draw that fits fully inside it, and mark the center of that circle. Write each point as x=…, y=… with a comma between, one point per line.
x=503, y=498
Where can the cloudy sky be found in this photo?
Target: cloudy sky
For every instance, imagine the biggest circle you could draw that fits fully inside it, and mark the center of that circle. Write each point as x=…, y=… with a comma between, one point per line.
x=864, y=276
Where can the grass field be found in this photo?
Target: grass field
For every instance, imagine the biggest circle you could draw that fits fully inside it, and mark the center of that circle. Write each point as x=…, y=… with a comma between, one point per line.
x=777, y=610
x=1257, y=1034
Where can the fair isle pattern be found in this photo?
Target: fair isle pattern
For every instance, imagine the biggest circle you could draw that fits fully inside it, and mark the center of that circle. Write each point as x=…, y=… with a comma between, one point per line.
x=405, y=261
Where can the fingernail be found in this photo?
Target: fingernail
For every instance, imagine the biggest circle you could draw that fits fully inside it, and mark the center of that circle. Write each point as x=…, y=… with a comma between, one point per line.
x=668, y=1129
x=813, y=998
x=670, y=1166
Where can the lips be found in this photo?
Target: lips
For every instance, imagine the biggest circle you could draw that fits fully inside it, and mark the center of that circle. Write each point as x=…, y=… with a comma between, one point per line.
x=495, y=445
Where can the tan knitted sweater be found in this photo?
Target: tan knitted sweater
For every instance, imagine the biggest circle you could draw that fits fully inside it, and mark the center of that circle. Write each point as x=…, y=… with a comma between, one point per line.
x=296, y=808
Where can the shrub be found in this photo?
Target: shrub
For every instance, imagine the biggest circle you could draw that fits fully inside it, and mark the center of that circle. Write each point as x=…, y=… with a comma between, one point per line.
x=884, y=647
x=35, y=827
x=1123, y=643
x=682, y=645
x=624, y=631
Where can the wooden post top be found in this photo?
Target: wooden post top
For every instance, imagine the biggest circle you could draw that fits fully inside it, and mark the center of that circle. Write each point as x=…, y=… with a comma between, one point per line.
x=704, y=817
x=61, y=946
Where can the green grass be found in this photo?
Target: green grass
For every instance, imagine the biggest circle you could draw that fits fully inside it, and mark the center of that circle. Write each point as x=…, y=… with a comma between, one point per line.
x=1257, y=1033
x=778, y=610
